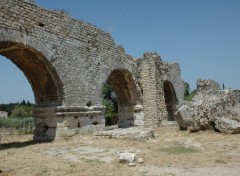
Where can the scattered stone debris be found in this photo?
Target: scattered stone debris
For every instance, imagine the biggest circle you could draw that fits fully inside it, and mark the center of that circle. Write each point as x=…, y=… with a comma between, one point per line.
x=211, y=108
x=127, y=157
x=130, y=133
x=140, y=160
x=132, y=164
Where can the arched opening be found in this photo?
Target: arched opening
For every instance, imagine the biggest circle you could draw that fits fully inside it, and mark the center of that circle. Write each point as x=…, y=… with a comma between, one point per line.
x=127, y=97
x=44, y=81
x=41, y=75
x=14, y=86
x=170, y=100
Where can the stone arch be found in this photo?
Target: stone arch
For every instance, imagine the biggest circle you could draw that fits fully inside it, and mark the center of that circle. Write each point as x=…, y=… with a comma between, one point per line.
x=170, y=100
x=127, y=97
x=46, y=85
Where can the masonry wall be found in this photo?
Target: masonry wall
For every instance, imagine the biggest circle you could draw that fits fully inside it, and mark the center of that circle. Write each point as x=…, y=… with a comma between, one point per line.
x=172, y=73
x=152, y=89
x=77, y=59
x=75, y=46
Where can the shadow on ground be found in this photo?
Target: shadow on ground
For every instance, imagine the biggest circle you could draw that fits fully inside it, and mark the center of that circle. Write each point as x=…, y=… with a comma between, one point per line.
x=20, y=144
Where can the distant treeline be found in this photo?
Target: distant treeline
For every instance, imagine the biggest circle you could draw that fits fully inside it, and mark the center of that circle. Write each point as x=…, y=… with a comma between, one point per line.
x=11, y=106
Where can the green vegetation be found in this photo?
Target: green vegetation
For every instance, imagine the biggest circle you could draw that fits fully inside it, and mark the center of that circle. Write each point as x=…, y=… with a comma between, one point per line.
x=220, y=162
x=188, y=96
x=110, y=101
x=24, y=106
x=20, y=117
x=191, y=95
x=23, y=125
x=187, y=89
x=179, y=150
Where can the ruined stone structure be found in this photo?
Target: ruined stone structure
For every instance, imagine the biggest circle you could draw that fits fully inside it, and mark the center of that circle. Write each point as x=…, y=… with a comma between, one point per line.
x=206, y=86
x=211, y=108
x=67, y=62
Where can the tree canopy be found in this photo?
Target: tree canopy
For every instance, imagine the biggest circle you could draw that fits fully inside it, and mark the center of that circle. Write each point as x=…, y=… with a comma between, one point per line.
x=109, y=100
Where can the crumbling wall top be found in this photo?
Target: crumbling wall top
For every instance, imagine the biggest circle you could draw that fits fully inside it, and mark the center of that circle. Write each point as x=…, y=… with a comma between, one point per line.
x=207, y=85
x=29, y=1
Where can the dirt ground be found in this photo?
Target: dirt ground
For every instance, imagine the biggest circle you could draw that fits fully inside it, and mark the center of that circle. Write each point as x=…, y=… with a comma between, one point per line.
x=173, y=152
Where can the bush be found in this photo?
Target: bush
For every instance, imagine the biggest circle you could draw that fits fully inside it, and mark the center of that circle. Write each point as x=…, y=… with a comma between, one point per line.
x=21, y=111
x=191, y=95
x=187, y=95
x=24, y=125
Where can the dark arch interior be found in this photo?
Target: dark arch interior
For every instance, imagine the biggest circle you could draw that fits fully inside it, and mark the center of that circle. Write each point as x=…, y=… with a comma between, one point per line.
x=44, y=81
x=127, y=96
x=170, y=99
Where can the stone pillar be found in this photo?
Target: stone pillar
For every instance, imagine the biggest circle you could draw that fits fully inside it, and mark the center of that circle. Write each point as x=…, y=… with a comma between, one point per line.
x=45, y=121
x=125, y=116
x=138, y=116
x=152, y=89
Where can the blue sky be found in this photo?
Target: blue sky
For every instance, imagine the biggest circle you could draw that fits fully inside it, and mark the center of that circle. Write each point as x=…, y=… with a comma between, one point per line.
x=203, y=36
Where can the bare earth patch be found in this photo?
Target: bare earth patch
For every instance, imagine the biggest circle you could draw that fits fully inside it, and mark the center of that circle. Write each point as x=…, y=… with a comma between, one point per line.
x=173, y=152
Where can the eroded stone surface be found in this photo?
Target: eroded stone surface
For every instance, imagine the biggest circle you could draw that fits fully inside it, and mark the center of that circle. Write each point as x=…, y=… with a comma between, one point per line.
x=131, y=133
x=127, y=157
x=211, y=109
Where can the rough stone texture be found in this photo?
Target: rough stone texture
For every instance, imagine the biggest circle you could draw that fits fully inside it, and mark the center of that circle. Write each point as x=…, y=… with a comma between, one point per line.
x=172, y=73
x=30, y=1
x=140, y=160
x=67, y=61
x=211, y=109
x=173, y=88
x=207, y=86
x=130, y=133
x=127, y=157
x=152, y=89
x=162, y=89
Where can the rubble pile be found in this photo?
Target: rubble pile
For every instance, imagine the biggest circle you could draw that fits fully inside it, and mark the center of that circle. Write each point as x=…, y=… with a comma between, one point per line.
x=210, y=109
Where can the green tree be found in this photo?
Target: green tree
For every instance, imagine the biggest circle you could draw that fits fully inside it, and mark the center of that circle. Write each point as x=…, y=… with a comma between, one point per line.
x=21, y=111
x=188, y=96
x=7, y=107
x=191, y=95
x=187, y=89
x=109, y=100
x=23, y=102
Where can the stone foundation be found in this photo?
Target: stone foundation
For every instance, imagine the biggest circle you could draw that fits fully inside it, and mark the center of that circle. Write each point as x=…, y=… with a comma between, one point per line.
x=61, y=122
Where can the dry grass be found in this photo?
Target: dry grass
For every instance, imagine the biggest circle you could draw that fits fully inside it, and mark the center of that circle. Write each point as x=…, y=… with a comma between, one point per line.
x=173, y=152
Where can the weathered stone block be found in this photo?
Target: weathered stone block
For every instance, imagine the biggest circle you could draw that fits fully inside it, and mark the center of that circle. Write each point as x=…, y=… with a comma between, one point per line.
x=51, y=122
x=138, y=123
x=51, y=132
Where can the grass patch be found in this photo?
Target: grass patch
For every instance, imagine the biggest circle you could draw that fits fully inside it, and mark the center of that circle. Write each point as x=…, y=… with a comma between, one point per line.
x=179, y=150
x=220, y=162
x=93, y=161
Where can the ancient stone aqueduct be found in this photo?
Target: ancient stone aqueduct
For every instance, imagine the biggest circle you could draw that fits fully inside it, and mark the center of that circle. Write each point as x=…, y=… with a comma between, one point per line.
x=67, y=62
